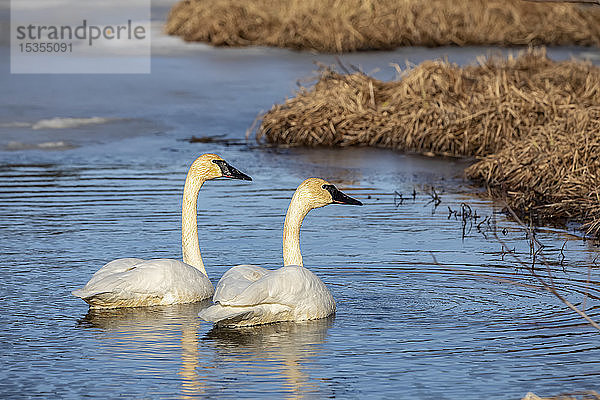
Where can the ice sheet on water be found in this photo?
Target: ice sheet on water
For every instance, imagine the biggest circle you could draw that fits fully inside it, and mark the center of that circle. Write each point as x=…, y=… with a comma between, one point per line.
x=59, y=145
x=58, y=123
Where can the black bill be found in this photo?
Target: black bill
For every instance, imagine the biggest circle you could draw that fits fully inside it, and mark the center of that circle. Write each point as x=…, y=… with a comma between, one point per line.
x=339, y=197
x=230, y=172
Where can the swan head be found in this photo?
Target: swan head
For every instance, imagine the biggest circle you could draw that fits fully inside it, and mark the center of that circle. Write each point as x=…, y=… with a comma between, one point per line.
x=318, y=192
x=211, y=166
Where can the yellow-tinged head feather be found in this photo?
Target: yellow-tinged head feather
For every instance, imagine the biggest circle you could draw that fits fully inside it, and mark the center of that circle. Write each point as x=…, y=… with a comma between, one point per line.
x=317, y=192
x=211, y=166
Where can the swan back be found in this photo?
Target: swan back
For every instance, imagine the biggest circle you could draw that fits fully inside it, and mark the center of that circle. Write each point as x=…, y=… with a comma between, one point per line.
x=258, y=296
x=147, y=283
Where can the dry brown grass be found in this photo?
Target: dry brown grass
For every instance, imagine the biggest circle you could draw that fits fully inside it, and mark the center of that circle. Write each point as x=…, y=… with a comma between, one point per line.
x=351, y=25
x=552, y=175
x=587, y=395
x=534, y=124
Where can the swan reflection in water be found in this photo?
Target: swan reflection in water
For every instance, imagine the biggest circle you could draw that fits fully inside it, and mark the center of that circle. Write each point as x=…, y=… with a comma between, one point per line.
x=288, y=345
x=164, y=339
x=153, y=334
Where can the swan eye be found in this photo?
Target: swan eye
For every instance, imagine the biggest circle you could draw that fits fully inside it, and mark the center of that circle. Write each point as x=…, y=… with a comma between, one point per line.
x=323, y=187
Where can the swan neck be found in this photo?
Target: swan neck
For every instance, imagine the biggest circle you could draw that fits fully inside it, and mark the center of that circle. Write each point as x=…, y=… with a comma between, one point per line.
x=189, y=223
x=291, y=231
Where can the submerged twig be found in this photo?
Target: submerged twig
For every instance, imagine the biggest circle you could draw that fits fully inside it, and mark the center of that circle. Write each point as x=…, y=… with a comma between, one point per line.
x=468, y=217
x=587, y=284
x=506, y=250
x=398, y=199
x=435, y=199
x=562, y=255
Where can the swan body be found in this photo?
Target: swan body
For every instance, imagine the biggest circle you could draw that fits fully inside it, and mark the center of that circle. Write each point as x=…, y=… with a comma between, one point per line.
x=291, y=293
x=145, y=283
x=249, y=295
x=133, y=282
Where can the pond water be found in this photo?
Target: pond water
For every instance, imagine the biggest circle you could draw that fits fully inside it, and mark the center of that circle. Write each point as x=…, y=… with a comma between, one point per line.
x=75, y=194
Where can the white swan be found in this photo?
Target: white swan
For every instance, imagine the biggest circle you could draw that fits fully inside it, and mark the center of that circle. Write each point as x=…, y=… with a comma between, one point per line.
x=133, y=282
x=250, y=295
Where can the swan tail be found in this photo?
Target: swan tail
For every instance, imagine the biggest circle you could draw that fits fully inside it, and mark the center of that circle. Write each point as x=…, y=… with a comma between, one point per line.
x=89, y=297
x=108, y=299
x=88, y=294
x=81, y=293
x=236, y=316
x=228, y=316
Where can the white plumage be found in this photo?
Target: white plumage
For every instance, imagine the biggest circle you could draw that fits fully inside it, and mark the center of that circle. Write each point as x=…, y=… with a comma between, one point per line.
x=133, y=282
x=249, y=295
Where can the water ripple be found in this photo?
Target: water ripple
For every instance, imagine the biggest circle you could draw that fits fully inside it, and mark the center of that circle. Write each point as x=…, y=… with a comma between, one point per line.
x=403, y=319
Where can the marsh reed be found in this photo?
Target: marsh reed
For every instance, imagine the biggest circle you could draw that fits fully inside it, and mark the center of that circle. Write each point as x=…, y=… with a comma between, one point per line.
x=336, y=26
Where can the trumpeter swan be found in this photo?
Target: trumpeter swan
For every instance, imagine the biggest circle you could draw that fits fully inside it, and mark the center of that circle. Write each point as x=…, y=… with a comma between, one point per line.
x=133, y=282
x=250, y=295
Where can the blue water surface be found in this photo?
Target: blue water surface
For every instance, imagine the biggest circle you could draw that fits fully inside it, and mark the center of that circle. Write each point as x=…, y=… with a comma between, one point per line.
x=74, y=198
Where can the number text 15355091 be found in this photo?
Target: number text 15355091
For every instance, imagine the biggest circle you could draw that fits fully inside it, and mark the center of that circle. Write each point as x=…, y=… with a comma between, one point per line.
x=45, y=47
